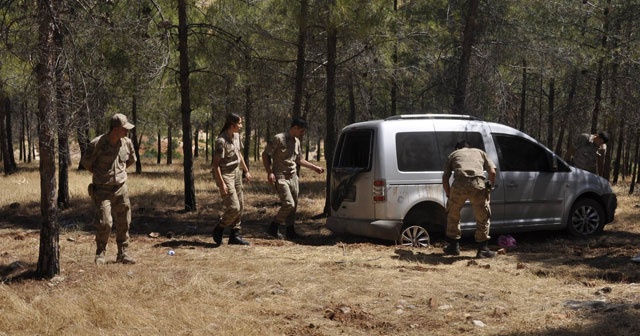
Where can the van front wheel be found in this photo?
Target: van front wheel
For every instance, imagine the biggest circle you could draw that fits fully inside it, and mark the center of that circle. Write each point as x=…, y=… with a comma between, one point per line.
x=415, y=236
x=586, y=218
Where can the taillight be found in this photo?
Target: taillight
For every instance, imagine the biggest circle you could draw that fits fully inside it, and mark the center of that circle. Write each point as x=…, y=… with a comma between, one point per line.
x=379, y=191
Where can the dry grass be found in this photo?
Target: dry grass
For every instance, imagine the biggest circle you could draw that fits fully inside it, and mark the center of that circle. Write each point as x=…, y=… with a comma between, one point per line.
x=323, y=285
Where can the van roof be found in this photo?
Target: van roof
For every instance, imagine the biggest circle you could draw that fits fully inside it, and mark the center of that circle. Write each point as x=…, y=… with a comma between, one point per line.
x=433, y=116
x=411, y=117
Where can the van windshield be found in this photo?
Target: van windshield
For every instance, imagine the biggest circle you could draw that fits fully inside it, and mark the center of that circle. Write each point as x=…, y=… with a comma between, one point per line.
x=354, y=150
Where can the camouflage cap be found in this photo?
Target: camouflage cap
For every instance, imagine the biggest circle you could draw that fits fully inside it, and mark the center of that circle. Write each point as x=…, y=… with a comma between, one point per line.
x=119, y=119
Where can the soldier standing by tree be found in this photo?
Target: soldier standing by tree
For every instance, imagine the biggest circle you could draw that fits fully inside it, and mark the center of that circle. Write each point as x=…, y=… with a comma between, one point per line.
x=107, y=158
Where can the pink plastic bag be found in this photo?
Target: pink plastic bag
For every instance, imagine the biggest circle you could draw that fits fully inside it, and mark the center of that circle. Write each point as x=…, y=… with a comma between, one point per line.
x=506, y=241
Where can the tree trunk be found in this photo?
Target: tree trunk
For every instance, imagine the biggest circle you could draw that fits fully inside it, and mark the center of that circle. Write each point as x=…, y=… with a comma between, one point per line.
x=196, y=142
x=62, y=87
x=352, y=101
x=4, y=150
x=300, y=59
x=159, y=156
x=30, y=151
x=82, y=133
x=626, y=170
x=332, y=41
x=134, y=131
x=523, y=97
x=550, y=121
x=169, y=144
x=206, y=141
x=468, y=39
x=23, y=152
x=6, y=139
x=599, y=75
x=49, y=252
x=12, y=159
x=185, y=108
x=635, y=165
x=619, y=146
x=248, y=121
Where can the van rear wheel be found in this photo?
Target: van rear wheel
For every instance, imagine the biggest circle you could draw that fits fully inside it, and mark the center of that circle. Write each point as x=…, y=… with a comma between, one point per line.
x=415, y=236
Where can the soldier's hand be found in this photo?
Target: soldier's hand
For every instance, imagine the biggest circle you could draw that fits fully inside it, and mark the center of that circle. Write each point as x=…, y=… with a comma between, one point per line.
x=224, y=191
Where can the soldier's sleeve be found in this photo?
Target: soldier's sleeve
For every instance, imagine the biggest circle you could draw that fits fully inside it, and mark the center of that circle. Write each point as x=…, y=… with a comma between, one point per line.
x=271, y=146
x=218, y=150
x=488, y=164
x=132, y=153
x=88, y=157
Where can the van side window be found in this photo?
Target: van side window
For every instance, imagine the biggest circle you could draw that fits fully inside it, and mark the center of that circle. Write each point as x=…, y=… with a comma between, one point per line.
x=519, y=154
x=354, y=150
x=428, y=151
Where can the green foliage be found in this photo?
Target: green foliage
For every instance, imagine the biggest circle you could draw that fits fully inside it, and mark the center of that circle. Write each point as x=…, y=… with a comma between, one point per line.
x=117, y=49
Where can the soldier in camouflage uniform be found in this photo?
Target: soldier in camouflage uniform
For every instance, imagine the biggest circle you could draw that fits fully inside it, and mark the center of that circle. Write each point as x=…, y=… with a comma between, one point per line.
x=588, y=151
x=228, y=165
x=467, y=166
x=107, y=158
x=281, y=158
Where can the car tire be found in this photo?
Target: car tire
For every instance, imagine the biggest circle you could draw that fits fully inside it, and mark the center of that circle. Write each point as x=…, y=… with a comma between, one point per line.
x=415, y=236
x=586, y=218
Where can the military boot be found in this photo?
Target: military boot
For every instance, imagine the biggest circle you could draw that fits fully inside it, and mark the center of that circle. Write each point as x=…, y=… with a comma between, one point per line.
x=236, y=239
x=217, y=235
x=273, y=230
x=123, y=257
x=484, y=251
x=453, y=247
x=101, y=251
x=290, y=233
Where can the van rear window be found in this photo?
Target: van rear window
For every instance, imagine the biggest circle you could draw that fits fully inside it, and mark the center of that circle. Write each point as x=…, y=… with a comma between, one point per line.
x=428, y=151
x=354, y=150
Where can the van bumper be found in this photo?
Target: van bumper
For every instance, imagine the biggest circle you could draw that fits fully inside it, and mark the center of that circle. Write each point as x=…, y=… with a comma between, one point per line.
x=381, y=229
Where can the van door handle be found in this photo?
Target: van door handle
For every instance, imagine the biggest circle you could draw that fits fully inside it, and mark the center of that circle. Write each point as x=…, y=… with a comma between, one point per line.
x=512, y=185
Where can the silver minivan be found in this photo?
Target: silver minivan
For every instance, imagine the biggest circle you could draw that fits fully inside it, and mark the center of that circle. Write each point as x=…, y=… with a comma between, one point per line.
x=387, y=181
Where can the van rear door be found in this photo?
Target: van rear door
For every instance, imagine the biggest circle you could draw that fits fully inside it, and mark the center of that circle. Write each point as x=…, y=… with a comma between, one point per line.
x=352, y=175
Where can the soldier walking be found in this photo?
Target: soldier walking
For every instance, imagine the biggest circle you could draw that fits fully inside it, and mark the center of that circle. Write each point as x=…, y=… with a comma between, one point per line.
x=280, y=159
x=228, y=165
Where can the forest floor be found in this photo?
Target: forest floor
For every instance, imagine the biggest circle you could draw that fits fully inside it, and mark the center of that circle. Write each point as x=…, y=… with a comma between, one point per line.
x=322, y=284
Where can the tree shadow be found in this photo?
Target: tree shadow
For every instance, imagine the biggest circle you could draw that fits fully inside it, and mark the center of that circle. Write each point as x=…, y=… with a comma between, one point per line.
x=606, y=319
x=17, y=271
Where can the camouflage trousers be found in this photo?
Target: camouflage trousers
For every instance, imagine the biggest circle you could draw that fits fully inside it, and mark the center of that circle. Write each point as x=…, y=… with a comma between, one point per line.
x=113, y=205
x=233, y=202
x=472, y=189
x=288, y=190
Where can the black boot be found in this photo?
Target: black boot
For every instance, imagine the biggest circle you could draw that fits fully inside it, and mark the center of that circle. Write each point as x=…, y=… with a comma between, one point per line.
x=484, y=251
x=453, y=247
x=217, y=234
x=291, y=233
x=236, y=239
x=273, y=230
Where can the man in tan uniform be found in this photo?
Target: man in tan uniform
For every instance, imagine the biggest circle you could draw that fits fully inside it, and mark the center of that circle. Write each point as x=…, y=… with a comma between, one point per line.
x=467, y=166
x=280, y=159
x=588, y=151
x=107, y=158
